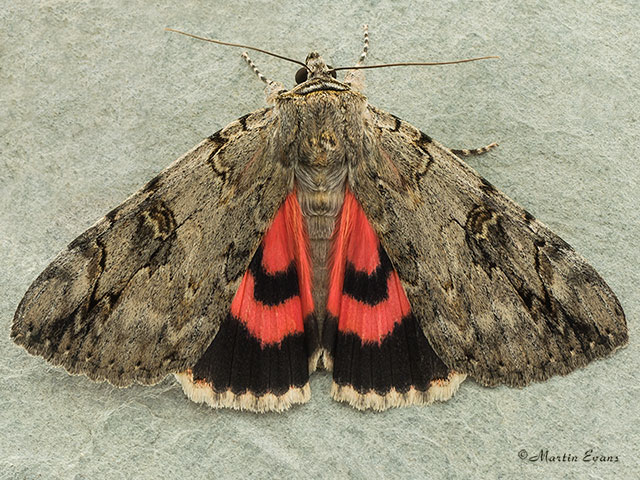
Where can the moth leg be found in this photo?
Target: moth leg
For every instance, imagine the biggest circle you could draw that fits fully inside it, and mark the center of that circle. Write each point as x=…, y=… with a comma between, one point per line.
x=272, y=88
x=355, y=78
x=365, y=47
x=465, y=152
x=260, y=76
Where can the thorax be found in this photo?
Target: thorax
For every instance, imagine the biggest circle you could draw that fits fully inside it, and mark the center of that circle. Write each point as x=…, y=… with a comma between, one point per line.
x=322, y=134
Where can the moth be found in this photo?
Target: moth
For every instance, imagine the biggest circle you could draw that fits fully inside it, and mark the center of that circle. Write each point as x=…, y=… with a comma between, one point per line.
x=319, y=232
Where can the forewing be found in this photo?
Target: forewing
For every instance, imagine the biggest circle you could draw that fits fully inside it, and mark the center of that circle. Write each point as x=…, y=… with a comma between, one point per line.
x=498, y=295
x=142, y=293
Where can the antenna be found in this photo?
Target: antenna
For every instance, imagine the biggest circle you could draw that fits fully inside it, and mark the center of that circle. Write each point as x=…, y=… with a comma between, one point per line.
x=236, y=45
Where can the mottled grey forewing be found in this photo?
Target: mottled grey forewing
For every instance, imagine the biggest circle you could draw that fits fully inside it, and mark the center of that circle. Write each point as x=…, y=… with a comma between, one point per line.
x=499, y=296
x=142, y=293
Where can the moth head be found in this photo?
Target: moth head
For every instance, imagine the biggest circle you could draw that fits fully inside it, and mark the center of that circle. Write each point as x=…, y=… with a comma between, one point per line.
x=315, y=67
x=316, y=76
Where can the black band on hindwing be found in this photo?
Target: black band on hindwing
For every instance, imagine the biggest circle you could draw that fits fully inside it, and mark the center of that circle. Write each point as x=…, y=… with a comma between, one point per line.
x=273, y=289
x=370, y=289
x=236, y=361
x=403, y=359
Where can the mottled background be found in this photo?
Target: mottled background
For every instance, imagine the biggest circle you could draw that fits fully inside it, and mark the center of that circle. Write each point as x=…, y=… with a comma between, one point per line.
x=96, y=99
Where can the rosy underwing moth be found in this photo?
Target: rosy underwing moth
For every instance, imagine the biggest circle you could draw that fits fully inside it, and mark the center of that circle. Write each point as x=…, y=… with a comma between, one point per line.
x=319, y=232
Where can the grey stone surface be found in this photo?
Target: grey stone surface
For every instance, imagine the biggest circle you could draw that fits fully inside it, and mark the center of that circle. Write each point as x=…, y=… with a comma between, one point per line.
x=95, y=98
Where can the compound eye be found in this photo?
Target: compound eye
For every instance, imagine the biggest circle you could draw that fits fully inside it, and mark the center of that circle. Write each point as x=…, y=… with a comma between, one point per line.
x=301, y=76
x=332, y=72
